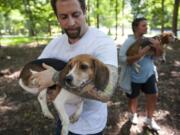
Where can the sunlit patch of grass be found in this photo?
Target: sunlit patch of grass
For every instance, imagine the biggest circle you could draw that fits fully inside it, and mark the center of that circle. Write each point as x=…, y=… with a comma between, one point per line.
x=19, y=41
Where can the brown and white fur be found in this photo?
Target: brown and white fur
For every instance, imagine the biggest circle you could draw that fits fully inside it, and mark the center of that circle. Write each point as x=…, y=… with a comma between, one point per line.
x=77, y=74
x=164, y=38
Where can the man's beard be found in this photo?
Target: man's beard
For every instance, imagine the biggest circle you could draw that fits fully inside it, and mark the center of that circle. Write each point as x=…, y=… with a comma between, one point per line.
x=73, y=33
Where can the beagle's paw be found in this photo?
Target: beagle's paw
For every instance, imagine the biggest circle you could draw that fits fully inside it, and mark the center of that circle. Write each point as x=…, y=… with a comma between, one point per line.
x=87, y=88
x=73, y=118
x=47, y=114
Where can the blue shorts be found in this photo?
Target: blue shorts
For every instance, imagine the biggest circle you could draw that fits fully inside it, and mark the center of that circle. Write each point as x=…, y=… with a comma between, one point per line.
x=149, y=87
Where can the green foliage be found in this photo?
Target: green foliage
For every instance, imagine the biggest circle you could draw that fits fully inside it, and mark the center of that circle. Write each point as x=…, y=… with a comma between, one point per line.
x=156, y=14
x=34, y=17
x=152, y=10
x=20, y=17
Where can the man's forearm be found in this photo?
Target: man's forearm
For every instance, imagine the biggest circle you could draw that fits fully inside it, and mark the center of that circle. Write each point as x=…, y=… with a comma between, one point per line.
x=105, y=94
x=89, y=91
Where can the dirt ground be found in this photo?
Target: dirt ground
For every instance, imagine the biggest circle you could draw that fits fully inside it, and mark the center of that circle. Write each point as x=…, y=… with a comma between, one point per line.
x=20, y=112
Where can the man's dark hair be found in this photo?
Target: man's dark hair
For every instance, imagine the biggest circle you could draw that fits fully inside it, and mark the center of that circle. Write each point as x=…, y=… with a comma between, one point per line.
x=136, y=22
x=81, y=2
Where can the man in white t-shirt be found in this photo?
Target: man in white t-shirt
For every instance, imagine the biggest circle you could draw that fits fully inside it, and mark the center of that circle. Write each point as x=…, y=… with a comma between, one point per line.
x=80, y=39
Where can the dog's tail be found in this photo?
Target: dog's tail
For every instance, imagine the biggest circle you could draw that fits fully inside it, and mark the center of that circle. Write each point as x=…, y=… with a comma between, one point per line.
x=30, y=90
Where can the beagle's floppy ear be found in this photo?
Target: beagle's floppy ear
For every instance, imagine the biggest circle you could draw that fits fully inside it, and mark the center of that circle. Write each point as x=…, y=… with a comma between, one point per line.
x=165, y=37
x=63, y=74
x=101, y=75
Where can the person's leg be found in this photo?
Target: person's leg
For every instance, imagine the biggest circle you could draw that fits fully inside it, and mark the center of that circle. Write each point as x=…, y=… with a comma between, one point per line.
x=150, y=89
x=150, y=104
x=133, y=103
x=150, y=108
x=133, y=111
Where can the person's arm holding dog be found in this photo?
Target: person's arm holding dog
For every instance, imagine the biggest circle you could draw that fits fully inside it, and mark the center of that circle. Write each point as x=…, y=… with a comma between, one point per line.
x=50, y=77
x=103, y=95
x=124, y=59
x=157, y=46
x=141, y=53
x=46, y=78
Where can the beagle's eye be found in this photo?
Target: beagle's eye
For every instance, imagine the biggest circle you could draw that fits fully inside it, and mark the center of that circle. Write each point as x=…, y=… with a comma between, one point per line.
x=83, y=66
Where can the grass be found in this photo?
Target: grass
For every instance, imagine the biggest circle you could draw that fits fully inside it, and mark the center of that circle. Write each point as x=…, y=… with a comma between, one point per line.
x=23, y=40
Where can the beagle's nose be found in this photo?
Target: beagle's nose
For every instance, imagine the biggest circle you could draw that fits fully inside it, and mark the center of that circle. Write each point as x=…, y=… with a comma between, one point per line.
x=68, y=79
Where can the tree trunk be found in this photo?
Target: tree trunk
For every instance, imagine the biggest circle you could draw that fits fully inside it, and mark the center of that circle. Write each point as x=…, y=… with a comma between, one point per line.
x=97, y=17
x=162, y=16
x=116, y=14
x=49, y=28
x=30, y=21
x=175, y=17
x=0, y=39
x=88, y=9
x=122, y=26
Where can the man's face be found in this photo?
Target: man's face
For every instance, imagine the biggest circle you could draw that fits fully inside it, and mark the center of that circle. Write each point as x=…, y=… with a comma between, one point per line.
x=71, y=18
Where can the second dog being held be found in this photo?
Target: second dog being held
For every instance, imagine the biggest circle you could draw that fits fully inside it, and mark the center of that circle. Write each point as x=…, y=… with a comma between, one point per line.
x=78, y=79
x=164, y=38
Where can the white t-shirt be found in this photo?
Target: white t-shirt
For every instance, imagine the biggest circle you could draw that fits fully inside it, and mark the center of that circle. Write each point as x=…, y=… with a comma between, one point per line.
x=94, y=42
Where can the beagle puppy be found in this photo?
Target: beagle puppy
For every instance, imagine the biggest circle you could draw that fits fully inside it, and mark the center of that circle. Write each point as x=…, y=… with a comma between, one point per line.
x=164, y=38
x=80, y=78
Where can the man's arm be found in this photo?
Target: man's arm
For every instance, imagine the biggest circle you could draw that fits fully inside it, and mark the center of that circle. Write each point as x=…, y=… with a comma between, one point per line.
x=51, y=76
x=102, y=95
x=46, y=78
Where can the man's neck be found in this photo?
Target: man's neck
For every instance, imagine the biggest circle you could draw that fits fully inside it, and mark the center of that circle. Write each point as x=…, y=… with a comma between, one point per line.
x=73, y=41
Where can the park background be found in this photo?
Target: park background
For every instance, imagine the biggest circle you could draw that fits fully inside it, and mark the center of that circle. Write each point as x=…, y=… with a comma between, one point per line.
x=26, y=27
x=33, y=20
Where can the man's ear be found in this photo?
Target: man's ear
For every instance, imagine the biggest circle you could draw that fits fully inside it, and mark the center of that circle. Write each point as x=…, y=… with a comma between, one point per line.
x=101, y=75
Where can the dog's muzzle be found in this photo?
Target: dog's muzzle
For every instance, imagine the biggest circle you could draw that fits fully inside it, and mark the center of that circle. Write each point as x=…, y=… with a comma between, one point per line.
x=69, y=83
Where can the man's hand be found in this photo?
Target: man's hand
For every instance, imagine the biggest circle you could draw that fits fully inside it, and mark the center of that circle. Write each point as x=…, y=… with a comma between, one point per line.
x=87, y=88
x=43, y=79
x=89, y=91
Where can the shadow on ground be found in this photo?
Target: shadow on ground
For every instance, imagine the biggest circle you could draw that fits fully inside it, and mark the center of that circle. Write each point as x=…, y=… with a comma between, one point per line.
x=20, y=113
